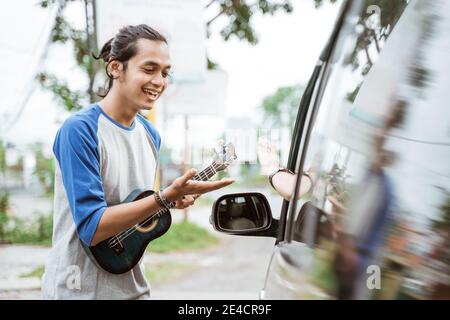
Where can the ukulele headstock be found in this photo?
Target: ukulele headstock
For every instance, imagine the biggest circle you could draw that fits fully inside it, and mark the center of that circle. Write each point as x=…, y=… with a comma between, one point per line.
x=224, y=156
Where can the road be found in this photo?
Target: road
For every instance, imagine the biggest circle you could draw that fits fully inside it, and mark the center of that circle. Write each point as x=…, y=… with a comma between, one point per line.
x=234, y=269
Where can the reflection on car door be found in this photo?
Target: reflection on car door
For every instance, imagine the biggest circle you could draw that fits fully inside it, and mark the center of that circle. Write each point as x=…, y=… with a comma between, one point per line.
x=345, y=239
x=281, y=278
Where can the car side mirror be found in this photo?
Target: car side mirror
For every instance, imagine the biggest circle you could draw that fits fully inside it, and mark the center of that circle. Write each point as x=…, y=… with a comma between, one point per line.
x=243, y=214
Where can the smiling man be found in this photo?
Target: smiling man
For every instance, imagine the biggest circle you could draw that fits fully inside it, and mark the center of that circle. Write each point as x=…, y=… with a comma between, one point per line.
x=103, y=153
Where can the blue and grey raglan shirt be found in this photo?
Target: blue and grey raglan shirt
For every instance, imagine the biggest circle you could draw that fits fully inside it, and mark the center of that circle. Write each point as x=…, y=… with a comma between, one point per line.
x=99, y=162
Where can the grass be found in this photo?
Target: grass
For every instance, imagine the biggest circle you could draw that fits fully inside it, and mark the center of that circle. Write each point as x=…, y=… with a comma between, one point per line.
x=204, y=201
x=155, y=274
x=166, y=271
x=251, y=179
x=36, y=273
x=183, y=236
x=323, y=275
x=35, y=232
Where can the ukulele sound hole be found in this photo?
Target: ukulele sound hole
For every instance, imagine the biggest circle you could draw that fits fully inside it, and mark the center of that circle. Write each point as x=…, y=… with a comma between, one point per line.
x=149, y=225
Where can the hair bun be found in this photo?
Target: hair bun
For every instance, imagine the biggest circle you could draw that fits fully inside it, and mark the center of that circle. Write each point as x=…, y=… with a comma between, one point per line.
x=105, y=53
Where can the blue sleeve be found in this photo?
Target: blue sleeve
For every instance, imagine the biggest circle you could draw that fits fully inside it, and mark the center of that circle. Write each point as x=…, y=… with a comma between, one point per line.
x=76, y=149
x=156, y=138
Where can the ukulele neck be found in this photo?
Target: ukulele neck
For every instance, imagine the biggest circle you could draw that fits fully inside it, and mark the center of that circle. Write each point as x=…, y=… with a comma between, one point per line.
x=203, y=175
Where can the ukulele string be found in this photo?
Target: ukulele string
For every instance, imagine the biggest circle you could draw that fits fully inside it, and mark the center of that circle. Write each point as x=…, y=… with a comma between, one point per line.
x=203, y=175
x=118, y=237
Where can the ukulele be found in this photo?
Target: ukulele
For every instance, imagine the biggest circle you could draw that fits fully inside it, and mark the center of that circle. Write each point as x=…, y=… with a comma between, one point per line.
x=121, y=252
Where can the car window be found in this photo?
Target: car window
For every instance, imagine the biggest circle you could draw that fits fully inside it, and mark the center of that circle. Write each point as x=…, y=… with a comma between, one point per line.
x=378, y=154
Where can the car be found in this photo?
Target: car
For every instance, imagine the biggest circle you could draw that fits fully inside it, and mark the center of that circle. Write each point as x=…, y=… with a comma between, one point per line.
x=368, y=175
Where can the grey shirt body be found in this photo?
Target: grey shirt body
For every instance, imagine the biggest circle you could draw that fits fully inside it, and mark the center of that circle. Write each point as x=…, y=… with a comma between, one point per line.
x=99, y=163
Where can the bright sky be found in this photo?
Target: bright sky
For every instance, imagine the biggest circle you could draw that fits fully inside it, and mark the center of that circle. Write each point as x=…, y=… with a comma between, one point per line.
x=287, y=51
x=288, y=48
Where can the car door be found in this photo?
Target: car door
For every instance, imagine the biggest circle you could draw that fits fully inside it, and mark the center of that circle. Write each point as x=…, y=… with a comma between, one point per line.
x=334, y=235
x=276, y=287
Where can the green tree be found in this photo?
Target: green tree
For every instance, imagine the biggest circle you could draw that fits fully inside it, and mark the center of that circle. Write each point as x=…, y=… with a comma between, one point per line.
x=44, y=169
x=373, y=33
x=376, y=22
x=237, y=12
x=4, y=196
x=84, y=44
x=280, y=108
x=2, y=159
x=4, y=206
x=239, y=15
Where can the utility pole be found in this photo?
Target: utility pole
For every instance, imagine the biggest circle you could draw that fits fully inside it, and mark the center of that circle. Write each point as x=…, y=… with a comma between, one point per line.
x=186, y=157
x=91, y=34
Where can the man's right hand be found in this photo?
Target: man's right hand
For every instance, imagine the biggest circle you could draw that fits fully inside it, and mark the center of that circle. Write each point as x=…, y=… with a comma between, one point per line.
x=185, y=186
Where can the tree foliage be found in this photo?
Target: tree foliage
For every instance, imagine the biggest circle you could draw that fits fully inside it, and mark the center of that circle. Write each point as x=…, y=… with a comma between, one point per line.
x=281, y=107
x=375, y=28
x=44, y=169
x=237, y=12
x=84, y=46
x=239, y=15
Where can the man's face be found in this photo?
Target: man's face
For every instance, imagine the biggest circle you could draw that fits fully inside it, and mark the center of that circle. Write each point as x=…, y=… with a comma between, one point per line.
x=146, y=75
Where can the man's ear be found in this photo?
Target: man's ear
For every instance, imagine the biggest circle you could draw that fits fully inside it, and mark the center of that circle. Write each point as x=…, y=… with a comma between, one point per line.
x=115, y=68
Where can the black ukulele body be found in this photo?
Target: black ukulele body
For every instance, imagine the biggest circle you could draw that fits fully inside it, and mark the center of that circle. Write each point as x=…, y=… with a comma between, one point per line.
x=120, y=254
